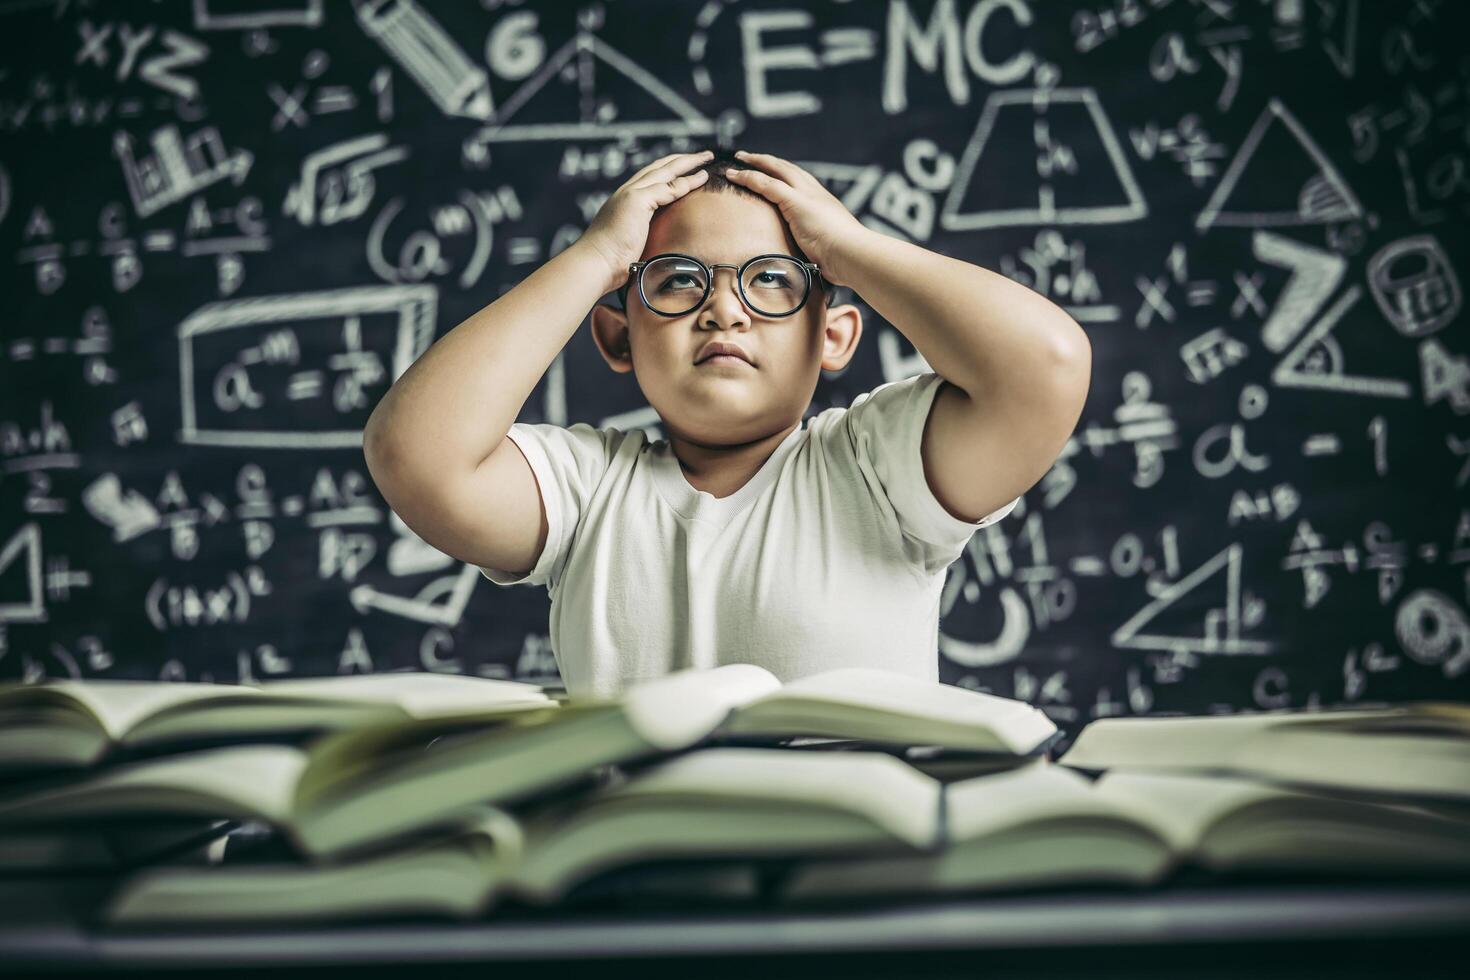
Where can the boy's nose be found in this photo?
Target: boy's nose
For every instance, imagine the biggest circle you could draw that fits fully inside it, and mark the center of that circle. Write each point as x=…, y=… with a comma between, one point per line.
x=724, y=298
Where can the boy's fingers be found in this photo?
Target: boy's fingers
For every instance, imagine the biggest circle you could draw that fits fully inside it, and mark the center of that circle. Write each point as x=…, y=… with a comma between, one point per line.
x=681, y=168
x=664, y=162
x=768, y=186
x=670, y=191
x=659, y=180
x=681, y=163
x=784, y=169
x=648, y=168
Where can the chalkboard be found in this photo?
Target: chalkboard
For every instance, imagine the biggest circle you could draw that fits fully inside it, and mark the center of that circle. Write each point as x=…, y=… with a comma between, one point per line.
x=231, y=225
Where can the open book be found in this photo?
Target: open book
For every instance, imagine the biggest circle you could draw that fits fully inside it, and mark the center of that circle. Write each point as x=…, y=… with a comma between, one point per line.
x=70, y=724
x=359, y=788
x=107, y=850
x=1047, y=825
x=1419, y=749
x=718, y=802
x=880, y=706
x=844, y=825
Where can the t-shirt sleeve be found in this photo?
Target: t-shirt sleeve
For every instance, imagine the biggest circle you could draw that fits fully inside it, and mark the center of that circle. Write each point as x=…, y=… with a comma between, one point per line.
x=568, y=462
x=886, y=429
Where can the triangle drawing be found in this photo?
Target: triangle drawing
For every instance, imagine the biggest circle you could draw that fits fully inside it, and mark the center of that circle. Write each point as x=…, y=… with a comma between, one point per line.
x=1291, y=182
x=23, y=550
x=1181, y=625
x=1316, y=360
x=567, y=99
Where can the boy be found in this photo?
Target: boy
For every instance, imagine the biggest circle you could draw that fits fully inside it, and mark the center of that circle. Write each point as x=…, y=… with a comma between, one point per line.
x=746, y=535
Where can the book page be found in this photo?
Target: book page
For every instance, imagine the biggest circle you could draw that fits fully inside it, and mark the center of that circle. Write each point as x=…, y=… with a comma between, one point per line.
x=869, y=687
x=887, y=790
x=255, y=781
x=422, y=694
x=1190, y=740
x=1218, y=740
x=936, y=709
x=996, y=802
x=1184, y=806
x=121, y=704
x=678, y=709
x=456, y=875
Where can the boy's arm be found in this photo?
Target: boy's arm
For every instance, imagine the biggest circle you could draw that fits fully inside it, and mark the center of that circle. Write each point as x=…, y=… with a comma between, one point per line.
x=452, y=407
x=1018, y=368
x=436, y=444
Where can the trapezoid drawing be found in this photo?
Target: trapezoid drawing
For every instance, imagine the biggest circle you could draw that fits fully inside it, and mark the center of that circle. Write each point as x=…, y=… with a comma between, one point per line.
x=1078, y=174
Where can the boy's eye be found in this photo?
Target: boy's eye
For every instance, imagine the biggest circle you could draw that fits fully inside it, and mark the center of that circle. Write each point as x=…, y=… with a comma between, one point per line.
x=685, y=280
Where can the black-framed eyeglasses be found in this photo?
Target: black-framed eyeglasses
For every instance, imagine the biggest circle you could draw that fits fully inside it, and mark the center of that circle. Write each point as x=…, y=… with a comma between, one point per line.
x=672, y=284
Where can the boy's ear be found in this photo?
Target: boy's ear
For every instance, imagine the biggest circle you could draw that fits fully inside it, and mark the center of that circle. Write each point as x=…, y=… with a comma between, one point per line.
x=610, y=333
x=843, y=330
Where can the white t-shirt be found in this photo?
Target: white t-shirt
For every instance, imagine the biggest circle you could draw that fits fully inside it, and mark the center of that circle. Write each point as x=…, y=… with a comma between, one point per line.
x=833, y=555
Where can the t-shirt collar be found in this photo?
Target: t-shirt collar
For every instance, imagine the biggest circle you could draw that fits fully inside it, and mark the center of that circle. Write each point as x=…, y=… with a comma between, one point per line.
x=701, y=505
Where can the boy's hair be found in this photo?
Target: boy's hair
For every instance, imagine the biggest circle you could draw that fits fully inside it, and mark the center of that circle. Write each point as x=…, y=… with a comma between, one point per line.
x=717, y=182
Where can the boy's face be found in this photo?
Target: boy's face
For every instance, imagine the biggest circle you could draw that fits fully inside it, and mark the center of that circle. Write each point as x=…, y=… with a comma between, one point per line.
x=723, y=403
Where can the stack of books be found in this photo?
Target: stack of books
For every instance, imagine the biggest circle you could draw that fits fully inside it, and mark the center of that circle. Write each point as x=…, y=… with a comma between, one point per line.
x=461, y=798
x=75, y=734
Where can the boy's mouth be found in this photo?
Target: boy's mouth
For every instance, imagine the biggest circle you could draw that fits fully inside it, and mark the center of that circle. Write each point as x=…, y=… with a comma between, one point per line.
x=726, y=359
x=720, y=352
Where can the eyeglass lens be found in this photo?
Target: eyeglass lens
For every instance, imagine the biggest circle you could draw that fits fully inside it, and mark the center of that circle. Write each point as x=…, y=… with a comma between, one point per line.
x=772, y=286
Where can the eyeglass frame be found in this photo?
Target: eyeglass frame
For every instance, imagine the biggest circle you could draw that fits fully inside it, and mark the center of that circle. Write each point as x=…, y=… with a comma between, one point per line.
x=635, y=274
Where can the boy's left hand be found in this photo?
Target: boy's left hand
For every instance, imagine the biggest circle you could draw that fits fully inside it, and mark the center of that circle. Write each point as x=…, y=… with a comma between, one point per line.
x=819, y=222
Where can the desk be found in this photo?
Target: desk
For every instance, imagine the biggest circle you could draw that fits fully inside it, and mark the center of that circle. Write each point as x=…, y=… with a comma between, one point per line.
x=1414, y=929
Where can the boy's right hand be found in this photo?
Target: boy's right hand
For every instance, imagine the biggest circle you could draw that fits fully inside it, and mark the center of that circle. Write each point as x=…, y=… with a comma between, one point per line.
x=620, y=230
